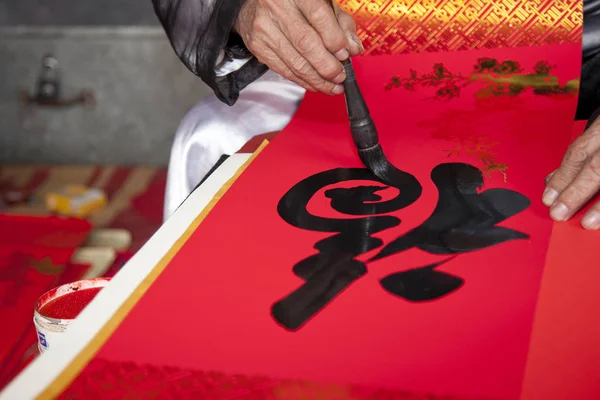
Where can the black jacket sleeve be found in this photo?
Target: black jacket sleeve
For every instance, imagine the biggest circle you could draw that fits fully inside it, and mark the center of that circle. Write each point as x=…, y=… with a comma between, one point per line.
x=589, y=90
x=199, y=30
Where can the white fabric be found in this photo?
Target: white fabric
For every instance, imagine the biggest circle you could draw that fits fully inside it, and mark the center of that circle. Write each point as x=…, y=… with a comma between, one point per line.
x=226, y=67
x=212, y=129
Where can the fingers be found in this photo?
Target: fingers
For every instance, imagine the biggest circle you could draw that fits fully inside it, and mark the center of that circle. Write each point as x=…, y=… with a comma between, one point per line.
x=271, y=47
x=313, y=55
x=576, y=181
x=301, y=40
x=591, y=219
x=578, y=192
x=282, y=58
x=277, y=65
x=549, y=177
x=303, y=70
x=349, y=27
x=573, y=162
x=322, y=17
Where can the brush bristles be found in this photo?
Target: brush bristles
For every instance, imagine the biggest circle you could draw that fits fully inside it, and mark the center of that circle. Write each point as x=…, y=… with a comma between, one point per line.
x=374, y=159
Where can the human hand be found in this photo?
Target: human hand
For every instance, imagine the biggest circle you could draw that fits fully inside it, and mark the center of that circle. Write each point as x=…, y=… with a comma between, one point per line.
x=577, y=180
x=302, y=40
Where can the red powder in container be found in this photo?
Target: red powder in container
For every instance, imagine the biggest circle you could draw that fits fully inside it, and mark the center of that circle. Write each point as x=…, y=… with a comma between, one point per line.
x=68, y=306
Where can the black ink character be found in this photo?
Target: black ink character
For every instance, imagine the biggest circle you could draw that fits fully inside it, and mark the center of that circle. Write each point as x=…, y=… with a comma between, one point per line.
x=463, y=220
x=334, y=268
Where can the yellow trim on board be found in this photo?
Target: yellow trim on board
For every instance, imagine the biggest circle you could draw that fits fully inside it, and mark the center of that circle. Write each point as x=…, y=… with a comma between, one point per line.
x=54, y=389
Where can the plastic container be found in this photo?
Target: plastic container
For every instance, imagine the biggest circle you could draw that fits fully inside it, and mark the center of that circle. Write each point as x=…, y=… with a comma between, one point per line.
x=49, y=328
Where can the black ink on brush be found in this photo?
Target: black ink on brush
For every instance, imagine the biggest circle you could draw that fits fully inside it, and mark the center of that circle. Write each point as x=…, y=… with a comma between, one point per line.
x=363, y=130
x=463, y=220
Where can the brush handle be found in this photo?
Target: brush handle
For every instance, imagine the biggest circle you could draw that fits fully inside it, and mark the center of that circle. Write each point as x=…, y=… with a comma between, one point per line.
x=362, y=126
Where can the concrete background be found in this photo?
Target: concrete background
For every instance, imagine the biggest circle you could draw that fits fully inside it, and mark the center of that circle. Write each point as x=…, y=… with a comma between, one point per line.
x=115, y=48
x=77, y=12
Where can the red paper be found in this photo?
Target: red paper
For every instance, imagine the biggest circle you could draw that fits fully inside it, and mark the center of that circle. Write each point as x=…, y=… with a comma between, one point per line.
x=562, y=322
x=210, y=309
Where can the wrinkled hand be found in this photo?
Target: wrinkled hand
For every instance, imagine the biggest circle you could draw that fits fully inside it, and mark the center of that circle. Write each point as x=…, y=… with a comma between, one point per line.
x=302, y=40
x=577, y=180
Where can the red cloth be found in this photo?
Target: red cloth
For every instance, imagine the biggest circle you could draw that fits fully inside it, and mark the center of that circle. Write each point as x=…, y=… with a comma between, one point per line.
x=35, y=255
x=139, y=191
x=34, y=251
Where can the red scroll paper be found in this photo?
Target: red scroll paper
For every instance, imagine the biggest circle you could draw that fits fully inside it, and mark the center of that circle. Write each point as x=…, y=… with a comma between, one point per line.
x=506, y=112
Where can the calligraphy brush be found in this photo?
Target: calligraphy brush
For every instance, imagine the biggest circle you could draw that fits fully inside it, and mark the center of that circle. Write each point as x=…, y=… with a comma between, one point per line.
x=363, y=129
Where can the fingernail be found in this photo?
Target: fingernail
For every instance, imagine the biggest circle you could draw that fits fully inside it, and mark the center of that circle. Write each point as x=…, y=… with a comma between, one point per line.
x=549, y=196
x=591, y=220
x=340, y=77
x=338, y=89
x=559, y=212
x=355, y=44
x=342, y=55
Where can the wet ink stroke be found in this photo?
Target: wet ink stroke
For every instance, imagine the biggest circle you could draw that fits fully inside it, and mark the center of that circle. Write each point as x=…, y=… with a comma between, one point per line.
x=334, y=268
x=463, y=221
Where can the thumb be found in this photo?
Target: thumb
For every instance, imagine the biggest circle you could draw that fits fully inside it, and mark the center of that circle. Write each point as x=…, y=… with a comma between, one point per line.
x=349, y=27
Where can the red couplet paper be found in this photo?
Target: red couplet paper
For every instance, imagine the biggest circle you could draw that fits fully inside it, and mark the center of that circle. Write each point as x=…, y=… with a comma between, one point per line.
x=564, y=355
x=507, y=112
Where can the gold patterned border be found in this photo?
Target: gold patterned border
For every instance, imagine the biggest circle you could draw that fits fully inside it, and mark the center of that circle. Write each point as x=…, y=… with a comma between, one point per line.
x=416, y=26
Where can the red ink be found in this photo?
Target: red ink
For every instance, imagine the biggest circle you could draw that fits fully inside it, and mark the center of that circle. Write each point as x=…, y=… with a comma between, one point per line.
x=69, y=306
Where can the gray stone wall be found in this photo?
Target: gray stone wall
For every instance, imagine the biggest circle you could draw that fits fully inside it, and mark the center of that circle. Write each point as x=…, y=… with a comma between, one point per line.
x=77, y=12
x=142, y=90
